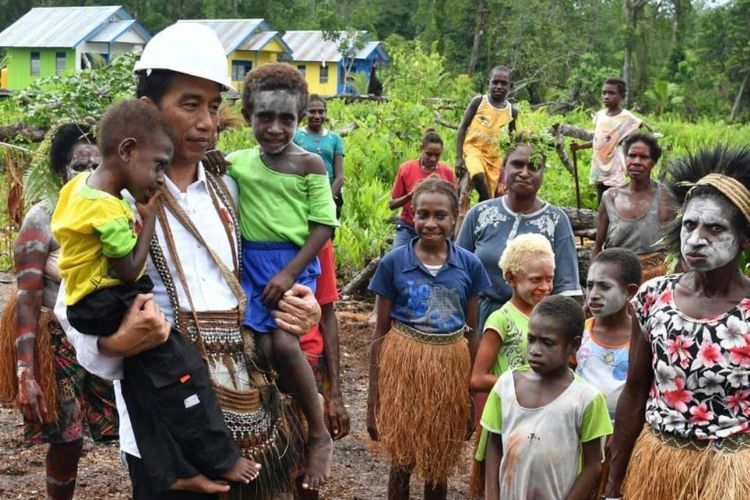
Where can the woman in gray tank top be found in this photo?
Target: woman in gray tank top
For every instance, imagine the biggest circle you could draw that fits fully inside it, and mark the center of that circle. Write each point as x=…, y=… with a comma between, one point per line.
x=633, y=216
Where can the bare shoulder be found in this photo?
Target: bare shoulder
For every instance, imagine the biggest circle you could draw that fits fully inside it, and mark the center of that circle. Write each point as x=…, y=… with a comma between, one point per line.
x=37, y=218
x=475, y=102
x=311, y=162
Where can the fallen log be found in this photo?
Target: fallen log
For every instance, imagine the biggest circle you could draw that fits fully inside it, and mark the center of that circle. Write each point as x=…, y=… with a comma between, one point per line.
x=581, y=219
x=589, y=234
x=361, y=279
x=21, y=131
x=439, y=120
x=572, y=131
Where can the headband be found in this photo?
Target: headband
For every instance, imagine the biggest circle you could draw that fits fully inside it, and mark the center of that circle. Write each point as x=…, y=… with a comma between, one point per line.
x=730, y=187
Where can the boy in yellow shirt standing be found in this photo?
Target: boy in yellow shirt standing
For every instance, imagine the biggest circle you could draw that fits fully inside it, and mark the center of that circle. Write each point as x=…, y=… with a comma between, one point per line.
x=486, y=118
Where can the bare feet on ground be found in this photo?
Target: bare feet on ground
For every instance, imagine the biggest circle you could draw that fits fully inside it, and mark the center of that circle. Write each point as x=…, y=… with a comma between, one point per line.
x=319, y=457
x=243, y=471
x=200, y=484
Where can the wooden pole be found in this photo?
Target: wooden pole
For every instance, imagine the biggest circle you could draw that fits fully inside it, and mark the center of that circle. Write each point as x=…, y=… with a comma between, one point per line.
x=464, y=199
x=575, y=176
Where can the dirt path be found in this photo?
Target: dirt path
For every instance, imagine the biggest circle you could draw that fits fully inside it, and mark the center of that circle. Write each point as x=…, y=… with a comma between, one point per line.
x=358, y=472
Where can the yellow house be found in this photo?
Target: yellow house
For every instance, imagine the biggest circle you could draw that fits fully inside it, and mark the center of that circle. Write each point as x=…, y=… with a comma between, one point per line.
x=325, y=67
x=248, y=44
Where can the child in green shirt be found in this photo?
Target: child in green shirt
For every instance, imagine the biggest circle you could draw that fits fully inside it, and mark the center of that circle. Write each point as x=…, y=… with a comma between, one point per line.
x=287, y=213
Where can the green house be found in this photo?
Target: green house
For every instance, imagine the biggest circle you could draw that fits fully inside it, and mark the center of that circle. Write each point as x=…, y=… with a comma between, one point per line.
x=51, y=41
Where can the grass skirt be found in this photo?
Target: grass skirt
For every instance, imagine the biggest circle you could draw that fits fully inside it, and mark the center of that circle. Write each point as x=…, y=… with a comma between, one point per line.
x=665, y=468
x=424, y=406
x=44, y=362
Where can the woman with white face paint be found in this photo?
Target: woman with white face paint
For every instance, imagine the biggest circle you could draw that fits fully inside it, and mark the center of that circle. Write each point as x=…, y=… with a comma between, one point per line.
x=690, y=348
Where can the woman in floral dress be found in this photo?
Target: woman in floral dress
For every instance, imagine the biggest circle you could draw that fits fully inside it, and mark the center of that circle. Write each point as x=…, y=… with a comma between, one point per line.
x=690, y=350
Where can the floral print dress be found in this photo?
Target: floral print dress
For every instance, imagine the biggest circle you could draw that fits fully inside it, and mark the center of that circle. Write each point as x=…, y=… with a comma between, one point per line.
x=701, y=366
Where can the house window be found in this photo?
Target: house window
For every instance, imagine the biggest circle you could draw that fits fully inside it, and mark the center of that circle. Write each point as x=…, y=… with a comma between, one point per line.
x=302, y=69
x=59, y=63
x=240, y=69
x=324, y=74
x=35, y=64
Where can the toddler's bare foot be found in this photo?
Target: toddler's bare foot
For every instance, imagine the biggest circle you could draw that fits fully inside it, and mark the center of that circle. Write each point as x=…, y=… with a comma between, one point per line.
x=243, y=471
x=201, y=484
x=319, y=457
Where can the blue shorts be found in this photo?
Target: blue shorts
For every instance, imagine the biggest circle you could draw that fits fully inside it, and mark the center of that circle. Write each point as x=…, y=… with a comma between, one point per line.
x=261, y=260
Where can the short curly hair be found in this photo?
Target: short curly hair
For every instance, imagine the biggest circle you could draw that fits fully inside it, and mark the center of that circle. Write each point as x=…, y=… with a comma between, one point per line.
x=131, y=118
x=565, y=311
x=275, y=76
x=649, y=140
x=524, y=247
x=627, y=263
x=622, y=86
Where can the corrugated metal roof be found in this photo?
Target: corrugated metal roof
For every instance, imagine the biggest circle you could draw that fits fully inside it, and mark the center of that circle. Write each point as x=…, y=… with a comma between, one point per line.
x=260, y=40
x=59, y=26
x=112, y=31
x=312, y=46
x=232, y=32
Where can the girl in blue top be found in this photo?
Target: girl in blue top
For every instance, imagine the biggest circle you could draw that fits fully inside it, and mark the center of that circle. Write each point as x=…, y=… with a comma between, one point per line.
x=325, y=143
x=427, y=295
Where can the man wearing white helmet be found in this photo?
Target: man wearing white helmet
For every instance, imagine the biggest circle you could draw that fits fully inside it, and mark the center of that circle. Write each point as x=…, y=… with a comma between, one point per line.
x=194, y=266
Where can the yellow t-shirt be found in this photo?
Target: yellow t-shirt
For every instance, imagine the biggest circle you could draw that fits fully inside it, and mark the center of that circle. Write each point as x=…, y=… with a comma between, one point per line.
x=481, y=151
x=91, y=226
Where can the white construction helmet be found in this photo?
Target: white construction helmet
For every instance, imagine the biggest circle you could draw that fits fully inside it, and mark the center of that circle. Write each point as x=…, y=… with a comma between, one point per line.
x=189, y=48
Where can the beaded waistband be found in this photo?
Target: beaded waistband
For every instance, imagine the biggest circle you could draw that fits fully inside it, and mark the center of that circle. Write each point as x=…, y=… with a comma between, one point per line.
x=428, y=338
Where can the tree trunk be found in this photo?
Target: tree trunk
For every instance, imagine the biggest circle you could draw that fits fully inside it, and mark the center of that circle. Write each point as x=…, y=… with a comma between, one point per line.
x=633, y=10
x=738, y=100
x=481, y=17
x=679, y=27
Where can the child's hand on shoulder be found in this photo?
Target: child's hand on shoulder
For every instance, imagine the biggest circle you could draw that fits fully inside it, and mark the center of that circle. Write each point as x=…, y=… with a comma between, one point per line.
x=276, y=288
x=147, y=209
x=216, y=162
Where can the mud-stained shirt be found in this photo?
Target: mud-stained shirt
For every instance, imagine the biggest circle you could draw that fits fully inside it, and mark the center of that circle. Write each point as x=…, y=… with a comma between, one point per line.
x=542, y=446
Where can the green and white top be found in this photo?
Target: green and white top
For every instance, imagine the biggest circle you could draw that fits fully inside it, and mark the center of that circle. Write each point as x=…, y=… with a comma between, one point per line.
x=542, y=446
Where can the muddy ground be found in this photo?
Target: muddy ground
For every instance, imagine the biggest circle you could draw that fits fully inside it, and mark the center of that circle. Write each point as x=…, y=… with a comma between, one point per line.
x=358, y=472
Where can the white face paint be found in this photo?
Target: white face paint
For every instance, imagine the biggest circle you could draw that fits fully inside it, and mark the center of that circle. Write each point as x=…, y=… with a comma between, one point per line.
x=85, y=157
x=707, y=239
x=605, y=294
x=274, y=119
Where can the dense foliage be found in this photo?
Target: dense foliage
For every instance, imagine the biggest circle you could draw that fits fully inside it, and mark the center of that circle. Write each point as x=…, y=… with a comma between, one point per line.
x=682, y=57
x=419, y=86
x=389, y=133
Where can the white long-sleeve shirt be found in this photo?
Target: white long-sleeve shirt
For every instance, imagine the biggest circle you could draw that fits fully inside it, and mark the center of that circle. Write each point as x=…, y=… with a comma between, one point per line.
x=208, y=289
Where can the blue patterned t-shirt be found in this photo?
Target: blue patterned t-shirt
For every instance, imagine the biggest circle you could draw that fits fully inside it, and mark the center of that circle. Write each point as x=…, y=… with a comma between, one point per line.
x=430, y=304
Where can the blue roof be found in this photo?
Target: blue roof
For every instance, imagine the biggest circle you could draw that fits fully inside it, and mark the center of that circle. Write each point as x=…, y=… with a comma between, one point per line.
x=66, y=27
